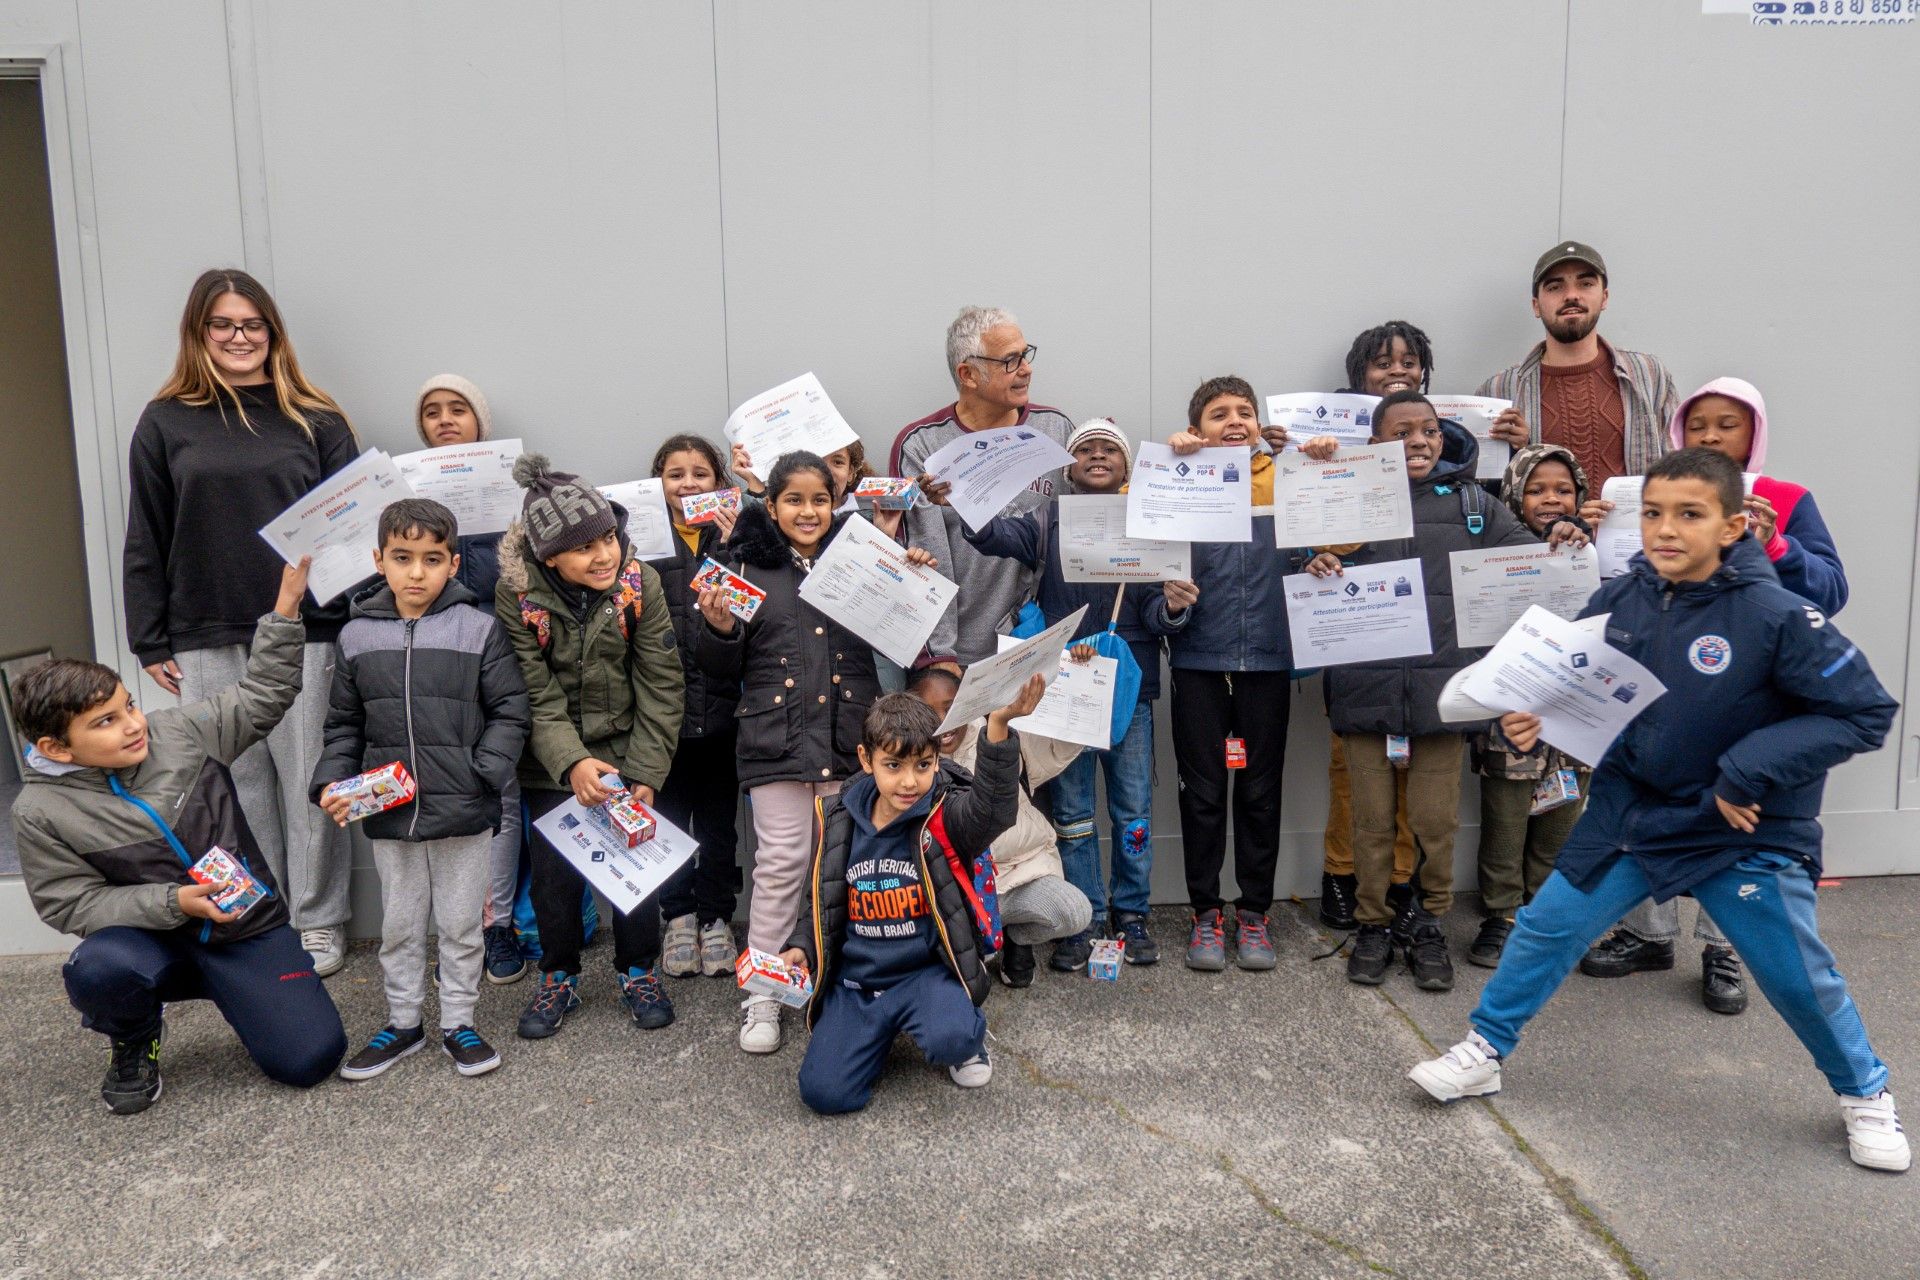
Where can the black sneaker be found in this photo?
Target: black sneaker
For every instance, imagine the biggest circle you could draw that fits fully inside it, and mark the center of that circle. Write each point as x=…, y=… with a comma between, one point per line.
x=1016, y=963
x=1337, y=895
x=1372, y=953
x=471, y=1055
x=505, y=961
x=1141, y=948
x=646, y=999
x=1492, y=940
x=1620, y=953
x=1722, y=988
x=1427, y=954
x=388, y=1046
x=553, y=1000
x=1403, y=904
x=133, y=1074
x=1072, y=953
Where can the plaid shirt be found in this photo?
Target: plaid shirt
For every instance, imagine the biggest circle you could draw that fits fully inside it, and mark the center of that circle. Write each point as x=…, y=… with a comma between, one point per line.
x=1646, y=393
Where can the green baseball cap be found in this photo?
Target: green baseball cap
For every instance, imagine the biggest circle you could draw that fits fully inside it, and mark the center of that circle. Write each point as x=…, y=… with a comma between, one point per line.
x=1569, y=251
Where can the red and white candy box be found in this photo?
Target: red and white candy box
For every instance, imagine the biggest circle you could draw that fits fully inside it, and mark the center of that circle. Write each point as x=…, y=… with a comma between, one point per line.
x=374, y=791
x=768, y=975
x=624, y=819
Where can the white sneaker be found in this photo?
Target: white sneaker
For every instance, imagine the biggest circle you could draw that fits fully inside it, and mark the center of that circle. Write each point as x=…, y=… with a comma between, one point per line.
x=760, y=1025
x=1874, y=1137
x=1471, y=1069
x=680, y=949
x=973, y=1073
x=328, y=947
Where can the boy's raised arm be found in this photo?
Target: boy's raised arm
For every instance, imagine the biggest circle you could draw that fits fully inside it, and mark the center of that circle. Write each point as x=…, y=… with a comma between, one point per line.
x=237, y=717
x=1016, y=537
x=976, y=818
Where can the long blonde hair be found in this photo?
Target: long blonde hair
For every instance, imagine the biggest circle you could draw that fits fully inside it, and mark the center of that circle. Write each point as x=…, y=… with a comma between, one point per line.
x=197, y=380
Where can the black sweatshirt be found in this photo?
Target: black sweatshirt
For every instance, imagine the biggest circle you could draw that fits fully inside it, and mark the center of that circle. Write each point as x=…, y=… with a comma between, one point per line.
x=198, y=573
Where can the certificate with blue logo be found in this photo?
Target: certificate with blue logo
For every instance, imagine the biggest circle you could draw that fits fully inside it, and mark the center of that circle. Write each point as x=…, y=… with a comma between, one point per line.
x=1203, y=496
x=1361, y=495
x=1368, y=614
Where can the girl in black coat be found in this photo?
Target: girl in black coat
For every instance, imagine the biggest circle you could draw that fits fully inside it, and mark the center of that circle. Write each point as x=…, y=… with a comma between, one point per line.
x=805, y=685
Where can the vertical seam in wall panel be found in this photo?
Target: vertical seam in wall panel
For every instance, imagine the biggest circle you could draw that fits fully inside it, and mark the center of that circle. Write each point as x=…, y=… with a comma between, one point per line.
x=1566, y=66
x=720, y=208
x=249, y=140
x=1151, y=265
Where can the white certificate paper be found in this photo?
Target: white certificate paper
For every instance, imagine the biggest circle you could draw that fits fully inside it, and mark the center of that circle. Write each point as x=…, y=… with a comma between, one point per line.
x=1493, y=588
x=338, y=524
x=795, y=415
x=1476, y=414
x=1360, y=496
x=987, y=468
x=1094, y=546
x=649, y=528
x=1078, y=706
x=623, y=876
x=1306, y=414
x=1371, y=614
x=991, y=683
x=474, y=481
x=1203, y=496
x=1583, y=689
x=1618, y=540
x=863, y=582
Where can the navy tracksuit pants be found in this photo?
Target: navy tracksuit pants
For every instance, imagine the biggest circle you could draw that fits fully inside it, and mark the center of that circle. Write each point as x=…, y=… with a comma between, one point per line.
x=264, y=986
x=855, y=1031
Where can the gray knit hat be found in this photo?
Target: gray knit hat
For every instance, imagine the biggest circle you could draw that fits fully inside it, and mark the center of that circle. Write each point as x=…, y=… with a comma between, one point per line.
x=559, y=513
x=482, y=416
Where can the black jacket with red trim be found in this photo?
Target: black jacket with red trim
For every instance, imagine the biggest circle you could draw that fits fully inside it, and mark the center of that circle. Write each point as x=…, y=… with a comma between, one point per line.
x=953, y=825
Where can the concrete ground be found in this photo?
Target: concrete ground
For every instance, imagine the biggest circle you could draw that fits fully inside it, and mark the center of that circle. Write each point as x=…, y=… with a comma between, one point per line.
x=1175, y=1124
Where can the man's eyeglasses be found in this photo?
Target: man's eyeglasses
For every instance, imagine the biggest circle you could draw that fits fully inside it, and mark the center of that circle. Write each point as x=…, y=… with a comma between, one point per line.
x=221, y=328
x=1009, y=363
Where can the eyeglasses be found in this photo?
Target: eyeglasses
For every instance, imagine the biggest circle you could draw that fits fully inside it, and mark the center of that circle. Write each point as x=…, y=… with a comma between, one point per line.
x=220, y=328
x=1012, y=362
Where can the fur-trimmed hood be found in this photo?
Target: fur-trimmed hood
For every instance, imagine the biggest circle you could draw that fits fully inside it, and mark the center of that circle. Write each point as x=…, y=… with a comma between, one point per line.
x=758, y=543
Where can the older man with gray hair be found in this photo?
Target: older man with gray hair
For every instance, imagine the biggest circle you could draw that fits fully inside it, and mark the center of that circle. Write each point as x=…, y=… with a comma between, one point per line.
x=991, y=365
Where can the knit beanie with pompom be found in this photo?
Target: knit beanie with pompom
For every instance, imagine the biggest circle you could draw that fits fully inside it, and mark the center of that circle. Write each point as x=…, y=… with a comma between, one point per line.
x=559, y=513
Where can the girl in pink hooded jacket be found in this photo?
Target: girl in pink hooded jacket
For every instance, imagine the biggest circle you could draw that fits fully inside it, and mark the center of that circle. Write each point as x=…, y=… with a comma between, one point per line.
x=1728, y=416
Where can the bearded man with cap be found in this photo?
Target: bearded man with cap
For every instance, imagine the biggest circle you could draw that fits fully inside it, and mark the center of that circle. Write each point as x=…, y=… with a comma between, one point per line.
x=1607, y=405
x=595, y=643
x=1143, y=614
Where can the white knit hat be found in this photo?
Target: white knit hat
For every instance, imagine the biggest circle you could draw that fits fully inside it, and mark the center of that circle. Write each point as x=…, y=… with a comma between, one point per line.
x=466, y=391
x=1100, y=429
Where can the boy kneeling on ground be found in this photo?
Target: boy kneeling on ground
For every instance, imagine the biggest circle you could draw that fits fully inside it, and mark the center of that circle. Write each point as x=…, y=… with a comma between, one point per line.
x=1714, y=790
x=118, y=805
x=892, y=924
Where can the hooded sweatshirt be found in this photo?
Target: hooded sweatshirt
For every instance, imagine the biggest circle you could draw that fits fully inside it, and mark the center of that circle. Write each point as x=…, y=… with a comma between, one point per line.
x=1763, y=697
x=1806, y=559
x=479, y=552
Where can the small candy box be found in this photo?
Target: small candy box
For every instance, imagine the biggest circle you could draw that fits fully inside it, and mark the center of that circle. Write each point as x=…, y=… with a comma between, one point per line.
x=623, y=819
x=742, y=597
x=887, y=493
x=1562, y=786
x=705, y=508
x=768, y=975
x=1107, y=955
x=237, y=890
x=374, y=791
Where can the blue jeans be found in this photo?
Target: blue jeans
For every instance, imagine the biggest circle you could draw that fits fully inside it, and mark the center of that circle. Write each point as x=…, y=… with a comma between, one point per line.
x=1765, y=903
x=856, y=1027
x=1129, y=769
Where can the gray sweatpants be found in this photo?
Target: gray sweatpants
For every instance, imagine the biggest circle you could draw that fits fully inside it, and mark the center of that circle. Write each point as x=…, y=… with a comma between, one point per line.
x=503, y=860
x=310, y=856
x=447, y=879
x=1660, y=922
x=1041, y=910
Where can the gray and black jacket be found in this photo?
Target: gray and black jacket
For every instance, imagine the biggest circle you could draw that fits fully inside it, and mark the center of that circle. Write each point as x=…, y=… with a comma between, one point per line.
x=443, y=695
x=1402, y=695
x=93, y=859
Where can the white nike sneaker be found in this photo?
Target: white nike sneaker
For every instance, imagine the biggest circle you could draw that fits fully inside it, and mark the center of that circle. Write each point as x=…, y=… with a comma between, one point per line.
x=1471, y=1069
x=760, y=1024
x=1874, y=1137
x=974, y=1073
x=328, y=947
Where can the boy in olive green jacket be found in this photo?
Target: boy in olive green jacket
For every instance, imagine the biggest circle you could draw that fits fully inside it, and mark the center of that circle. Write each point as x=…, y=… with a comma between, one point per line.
x=589, y=624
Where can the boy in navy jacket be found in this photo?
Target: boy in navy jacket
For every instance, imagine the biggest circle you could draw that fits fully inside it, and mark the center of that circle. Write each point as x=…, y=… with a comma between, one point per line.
x=1714, y=790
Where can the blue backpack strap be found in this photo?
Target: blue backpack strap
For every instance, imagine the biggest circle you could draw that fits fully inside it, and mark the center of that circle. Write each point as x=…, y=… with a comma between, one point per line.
x=179, y=850
x=1472, y=506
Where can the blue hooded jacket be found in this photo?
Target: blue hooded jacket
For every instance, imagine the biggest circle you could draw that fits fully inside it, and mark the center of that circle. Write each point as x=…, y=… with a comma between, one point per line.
x=1764, y=696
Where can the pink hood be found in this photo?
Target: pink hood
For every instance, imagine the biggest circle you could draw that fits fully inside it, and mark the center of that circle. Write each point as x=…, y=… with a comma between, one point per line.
x=1733, y=389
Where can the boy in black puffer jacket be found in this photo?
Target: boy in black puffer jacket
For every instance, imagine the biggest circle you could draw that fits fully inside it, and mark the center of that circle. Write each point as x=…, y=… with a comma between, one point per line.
x=893, y=923
x=426, y=679
x=1381, y=709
